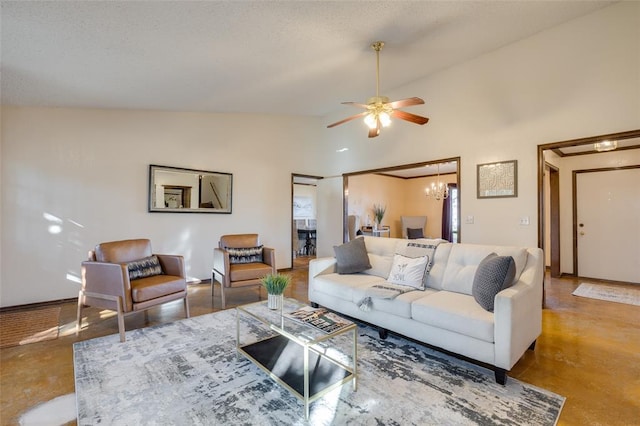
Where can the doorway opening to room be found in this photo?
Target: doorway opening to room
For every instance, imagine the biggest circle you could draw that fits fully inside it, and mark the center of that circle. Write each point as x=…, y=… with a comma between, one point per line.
x=304, y=219
x=576, y=178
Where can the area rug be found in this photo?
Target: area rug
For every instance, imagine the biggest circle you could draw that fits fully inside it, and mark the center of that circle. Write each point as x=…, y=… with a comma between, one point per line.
x=188, y=373
x=610, y=293
x=28, y=326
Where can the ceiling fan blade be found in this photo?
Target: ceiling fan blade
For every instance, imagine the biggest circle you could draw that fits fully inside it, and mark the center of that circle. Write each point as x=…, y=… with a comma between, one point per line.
x=413, y=118
x=356, y=104
x=405, y=102
x=353, y=117
x=376, y=131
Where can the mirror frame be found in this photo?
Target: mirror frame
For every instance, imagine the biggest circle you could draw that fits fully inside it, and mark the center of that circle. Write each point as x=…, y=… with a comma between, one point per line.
x=179, y=190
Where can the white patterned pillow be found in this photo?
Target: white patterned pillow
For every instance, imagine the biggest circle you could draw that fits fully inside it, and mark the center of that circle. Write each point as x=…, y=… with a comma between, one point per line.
x=245, y=254
x=408, y=271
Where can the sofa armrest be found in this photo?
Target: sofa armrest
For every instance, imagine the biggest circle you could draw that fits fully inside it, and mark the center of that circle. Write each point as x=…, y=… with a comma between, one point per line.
x=518, y=313
x=321, y=266
x=172, y=264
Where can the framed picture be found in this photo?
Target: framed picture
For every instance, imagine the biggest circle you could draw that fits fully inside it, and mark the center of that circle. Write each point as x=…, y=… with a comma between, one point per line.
x=498, y=180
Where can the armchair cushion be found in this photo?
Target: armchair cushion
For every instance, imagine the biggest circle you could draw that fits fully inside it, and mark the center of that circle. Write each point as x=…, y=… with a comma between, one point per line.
x=143, y=268
x=156, y=286
x=245, y=254
x=249, y=271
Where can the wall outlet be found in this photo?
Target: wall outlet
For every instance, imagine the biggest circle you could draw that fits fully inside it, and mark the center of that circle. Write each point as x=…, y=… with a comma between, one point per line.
x=524, y=220
x=469, y=219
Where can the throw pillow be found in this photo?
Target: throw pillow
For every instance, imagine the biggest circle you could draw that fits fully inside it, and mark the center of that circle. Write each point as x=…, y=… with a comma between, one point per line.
x=414, y=233
x=494, y=274
x=143, y=268
x=245, y=254
x=352, y=257
x=408, y=271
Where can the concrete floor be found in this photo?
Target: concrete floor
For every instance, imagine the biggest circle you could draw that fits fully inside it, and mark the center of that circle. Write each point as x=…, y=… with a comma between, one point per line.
x=589, y=352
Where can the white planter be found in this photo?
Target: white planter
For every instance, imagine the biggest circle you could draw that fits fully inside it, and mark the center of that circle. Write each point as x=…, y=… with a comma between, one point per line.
x=274, y=301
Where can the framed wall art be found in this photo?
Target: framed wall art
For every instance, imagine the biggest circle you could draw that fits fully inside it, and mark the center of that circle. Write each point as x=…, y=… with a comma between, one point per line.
x=498, y=180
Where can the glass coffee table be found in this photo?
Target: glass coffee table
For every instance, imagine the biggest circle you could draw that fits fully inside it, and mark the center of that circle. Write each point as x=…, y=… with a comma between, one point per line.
x=302, y=349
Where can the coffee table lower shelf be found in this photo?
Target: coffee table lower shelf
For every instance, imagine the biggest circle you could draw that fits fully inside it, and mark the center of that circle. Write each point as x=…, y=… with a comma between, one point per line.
x=283, y=358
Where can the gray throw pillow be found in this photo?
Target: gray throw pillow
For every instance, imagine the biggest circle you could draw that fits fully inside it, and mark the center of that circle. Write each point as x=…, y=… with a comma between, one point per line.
x=414, y=233
x=494, y=274
x=352, y=257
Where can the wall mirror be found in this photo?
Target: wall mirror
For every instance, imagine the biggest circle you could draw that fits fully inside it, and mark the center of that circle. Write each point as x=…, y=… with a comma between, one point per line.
x=177, y=190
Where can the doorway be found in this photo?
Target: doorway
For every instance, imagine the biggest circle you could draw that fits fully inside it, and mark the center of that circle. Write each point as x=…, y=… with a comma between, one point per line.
x=557, y=222
x=304, y=219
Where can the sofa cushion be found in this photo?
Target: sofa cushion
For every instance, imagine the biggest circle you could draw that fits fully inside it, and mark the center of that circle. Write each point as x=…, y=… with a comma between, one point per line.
x=414, y=233
x=143, y=268
x=244, y=254
x=352, y=257
x=156, y=286
x=381, y=251
x=408, y=271
x=399, y=306
x=455, y=312
x=465, y=258
x=494, y=274
x=345, y=286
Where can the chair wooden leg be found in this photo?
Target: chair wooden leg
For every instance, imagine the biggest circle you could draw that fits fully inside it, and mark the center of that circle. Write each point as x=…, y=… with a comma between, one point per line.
x=79, y=316
x=222, y=295
x=186, y=307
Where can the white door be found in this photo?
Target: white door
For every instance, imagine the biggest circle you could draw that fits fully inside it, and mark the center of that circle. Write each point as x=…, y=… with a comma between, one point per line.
x=608, y=217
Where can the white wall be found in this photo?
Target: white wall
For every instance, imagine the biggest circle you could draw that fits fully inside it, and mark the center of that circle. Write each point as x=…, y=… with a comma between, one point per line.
x=579, y=79
x=74, y=178
x=85, y=171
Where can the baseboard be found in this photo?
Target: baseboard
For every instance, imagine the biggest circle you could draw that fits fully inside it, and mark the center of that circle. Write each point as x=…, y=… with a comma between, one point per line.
x=30, y=306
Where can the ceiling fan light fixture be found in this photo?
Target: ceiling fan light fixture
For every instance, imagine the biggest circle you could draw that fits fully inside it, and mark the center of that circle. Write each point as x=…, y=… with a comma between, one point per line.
x=385, y=119
x=605, y=146
x=379, y=110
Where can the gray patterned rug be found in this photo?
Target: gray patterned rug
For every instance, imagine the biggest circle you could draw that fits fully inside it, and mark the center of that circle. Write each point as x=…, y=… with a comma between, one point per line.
x=610, y=293
x=187, y=373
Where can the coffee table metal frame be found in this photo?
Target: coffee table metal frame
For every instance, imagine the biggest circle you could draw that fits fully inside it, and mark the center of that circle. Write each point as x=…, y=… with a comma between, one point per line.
x=309, y=337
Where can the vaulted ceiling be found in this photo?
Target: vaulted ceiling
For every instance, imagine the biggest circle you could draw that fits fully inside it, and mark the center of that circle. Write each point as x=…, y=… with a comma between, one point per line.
x=280, y=57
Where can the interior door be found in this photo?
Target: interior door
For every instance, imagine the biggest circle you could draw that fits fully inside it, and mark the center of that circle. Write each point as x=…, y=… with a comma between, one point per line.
x=608, y=224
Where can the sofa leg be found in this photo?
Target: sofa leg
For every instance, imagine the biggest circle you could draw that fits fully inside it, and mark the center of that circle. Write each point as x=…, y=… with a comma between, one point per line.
x=383, y=333
x=501, y=376
x=314, y=305
x=533, y=346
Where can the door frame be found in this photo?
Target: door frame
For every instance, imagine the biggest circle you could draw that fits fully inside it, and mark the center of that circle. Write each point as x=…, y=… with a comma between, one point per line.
x=554, y=220
x=563, y=144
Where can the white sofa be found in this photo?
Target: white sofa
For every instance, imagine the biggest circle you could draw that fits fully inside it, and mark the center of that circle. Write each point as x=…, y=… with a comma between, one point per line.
x=445, y=315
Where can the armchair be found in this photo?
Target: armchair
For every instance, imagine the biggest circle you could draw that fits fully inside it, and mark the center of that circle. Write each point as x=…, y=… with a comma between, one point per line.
x=415, y=223
x=126, y=277
x=240, y=261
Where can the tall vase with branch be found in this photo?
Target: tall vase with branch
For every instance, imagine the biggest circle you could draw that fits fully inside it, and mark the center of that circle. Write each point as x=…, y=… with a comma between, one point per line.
x=378, y=213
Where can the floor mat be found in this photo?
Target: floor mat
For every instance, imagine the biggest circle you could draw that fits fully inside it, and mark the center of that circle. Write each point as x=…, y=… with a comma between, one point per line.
x=29, y=326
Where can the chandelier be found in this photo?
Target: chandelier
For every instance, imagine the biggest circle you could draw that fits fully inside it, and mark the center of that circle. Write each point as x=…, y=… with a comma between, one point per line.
x=605, y=146
x=438, y=190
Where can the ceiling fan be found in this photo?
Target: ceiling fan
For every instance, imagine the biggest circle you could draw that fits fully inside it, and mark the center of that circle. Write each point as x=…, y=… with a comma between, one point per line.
x=379, y=109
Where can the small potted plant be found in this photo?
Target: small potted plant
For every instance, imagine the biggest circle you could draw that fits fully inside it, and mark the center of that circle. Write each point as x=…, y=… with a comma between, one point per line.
x=378, y=213
x=275, y=284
